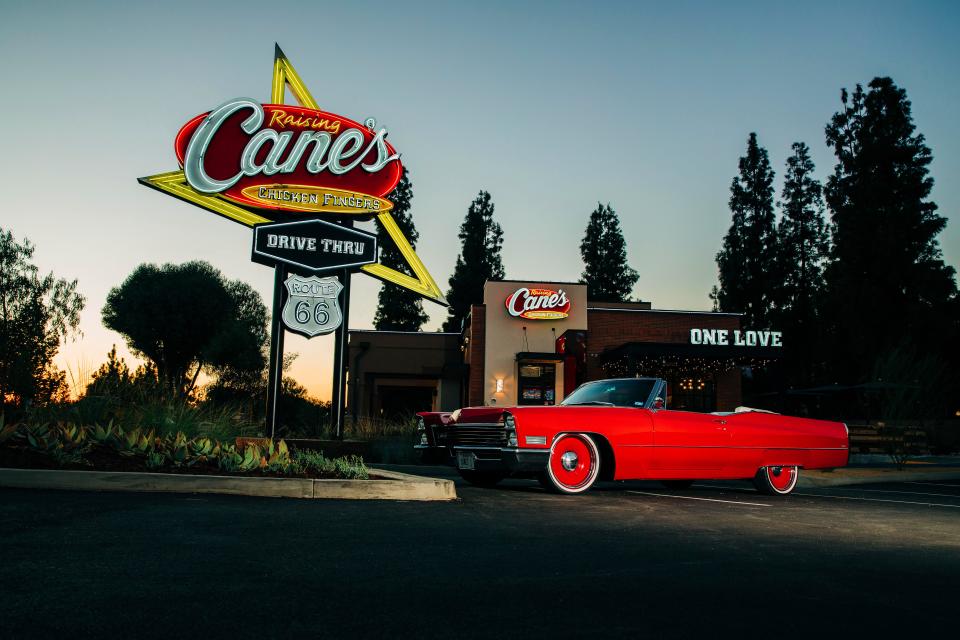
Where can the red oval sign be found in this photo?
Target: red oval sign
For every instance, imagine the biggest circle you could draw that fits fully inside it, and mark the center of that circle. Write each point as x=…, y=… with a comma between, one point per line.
x=538, y=304
x=288, y=158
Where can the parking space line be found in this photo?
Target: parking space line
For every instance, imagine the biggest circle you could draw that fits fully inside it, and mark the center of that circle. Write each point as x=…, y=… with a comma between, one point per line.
x=922, y=504
x=668, y=495
x=912, y=493
x=933, y=484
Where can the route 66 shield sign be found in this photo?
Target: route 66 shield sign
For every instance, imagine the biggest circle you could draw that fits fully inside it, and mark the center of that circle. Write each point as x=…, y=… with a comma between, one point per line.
x=312, y=307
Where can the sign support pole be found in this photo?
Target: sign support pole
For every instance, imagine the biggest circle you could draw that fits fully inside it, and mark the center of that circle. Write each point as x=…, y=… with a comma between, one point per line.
x=341, y=352
x=275, y=370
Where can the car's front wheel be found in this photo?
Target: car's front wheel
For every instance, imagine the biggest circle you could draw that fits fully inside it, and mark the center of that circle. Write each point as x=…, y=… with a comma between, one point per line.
x=776, y=480
x=481, y=478
x=574, y=463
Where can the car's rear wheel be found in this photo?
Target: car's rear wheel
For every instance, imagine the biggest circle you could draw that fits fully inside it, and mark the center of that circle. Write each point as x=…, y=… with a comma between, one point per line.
x=776, y=480
x=676, y=484
x=574, y=463
x=481, y=478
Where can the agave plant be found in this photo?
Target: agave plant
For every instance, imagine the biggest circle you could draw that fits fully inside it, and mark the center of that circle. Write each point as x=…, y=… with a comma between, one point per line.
x=177, y=448
x=229, y=459
x=203, y=450
x=72, y=437
x=7, y=431
x=108, y=435
x=252, y=458
x=278, y=457
x=64, y=456
x=155, y=460
x=40, y=438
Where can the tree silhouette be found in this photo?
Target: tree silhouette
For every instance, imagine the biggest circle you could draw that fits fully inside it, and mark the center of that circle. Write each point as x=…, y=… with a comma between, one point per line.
x=187, y=317
x=747, y=279
x=399, y=309
x=886, y=280
x=36, y=313
x=479, y=260
x=803, y=242
x=604, y=251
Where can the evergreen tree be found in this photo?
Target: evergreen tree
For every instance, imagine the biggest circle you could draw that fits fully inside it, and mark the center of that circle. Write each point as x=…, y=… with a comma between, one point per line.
x=802, y=246
x=481, y=241
x=887, y=281
x=747, y=280
x=399, y=309
x=606, y=273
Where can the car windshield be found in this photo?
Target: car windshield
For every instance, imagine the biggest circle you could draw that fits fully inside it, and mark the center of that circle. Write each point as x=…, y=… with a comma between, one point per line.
x=615, y=393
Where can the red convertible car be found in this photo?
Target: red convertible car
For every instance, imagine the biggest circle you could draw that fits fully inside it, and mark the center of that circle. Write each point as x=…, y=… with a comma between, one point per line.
x=621, y=429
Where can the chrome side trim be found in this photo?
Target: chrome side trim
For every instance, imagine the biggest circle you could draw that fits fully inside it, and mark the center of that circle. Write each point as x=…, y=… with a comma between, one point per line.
x=720, y=446
x=509, y=449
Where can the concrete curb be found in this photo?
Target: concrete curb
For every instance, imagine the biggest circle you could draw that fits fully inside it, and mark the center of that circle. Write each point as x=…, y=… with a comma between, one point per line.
x=393, y=486
x=814, y=479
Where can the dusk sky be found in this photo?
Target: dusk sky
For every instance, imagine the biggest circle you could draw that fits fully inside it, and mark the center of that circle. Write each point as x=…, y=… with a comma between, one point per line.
x=551, y=107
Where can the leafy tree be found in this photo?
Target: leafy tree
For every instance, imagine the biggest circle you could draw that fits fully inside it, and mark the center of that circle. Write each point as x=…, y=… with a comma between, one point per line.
x=802, y=245
x=114, y=380
x=606, y=273
x=187, y=317
x=479, y=260
x=747, y=281
x=399, y=309
x=886, y=280
x=36, y=313
x=299, y=413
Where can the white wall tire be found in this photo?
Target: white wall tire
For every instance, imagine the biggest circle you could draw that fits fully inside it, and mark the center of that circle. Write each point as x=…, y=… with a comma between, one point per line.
x=574, y=463
x=777, y=480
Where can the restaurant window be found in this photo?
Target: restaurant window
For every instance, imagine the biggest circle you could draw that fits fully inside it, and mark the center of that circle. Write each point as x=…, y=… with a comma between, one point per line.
x=538, y=384
x=694, y=393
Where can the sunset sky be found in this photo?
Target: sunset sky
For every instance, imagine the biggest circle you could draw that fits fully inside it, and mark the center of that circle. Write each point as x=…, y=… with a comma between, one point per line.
x=551, y=107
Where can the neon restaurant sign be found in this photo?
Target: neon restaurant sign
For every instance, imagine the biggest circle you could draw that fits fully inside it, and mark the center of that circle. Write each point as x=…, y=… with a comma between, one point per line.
x=537, y=303
x=257, y=163
x=300, y=176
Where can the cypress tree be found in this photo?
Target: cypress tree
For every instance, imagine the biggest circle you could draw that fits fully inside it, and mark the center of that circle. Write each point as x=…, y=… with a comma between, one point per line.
x=399, y=309
x=802, y=246
x=479, y=260
x=606, y=273
x=745, y=261
x=887, y=282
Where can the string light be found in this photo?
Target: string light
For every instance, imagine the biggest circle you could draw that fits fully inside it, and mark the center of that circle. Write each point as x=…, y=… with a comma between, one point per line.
x=673, y=366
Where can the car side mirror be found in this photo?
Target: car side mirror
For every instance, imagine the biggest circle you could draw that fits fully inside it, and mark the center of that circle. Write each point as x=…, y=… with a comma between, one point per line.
x=658, y=403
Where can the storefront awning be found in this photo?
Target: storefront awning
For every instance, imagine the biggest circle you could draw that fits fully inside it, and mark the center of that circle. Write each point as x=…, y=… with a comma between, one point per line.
x=654, y=358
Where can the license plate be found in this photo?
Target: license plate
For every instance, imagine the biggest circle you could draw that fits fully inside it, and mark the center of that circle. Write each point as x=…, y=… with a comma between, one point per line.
x=466, y=460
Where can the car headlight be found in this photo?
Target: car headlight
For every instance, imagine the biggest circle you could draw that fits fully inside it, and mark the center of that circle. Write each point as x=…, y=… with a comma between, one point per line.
x=422, y=430
x=511, y=426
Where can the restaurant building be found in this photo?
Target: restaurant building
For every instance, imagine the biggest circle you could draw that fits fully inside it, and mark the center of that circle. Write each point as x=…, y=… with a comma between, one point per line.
x=532, y=343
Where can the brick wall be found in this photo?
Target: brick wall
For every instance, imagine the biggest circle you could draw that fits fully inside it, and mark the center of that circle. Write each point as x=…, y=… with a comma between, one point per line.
x=609, y=329
x=476, y=332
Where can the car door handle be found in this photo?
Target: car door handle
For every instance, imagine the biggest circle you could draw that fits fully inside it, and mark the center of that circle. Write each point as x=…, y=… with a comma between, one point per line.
x=720, y=421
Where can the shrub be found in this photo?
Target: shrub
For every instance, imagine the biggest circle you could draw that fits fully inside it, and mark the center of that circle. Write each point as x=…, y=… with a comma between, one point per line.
x=67, y=444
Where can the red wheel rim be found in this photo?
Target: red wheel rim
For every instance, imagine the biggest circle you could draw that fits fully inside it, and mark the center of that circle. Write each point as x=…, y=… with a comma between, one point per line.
x=573, y=462
x=782, y=478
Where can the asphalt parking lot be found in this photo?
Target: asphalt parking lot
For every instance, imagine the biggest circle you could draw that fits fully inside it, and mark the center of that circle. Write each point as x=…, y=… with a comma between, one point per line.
x=626, y=560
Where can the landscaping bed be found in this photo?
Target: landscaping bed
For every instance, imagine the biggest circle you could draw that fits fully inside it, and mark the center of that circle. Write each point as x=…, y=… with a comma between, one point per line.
x=98, y=448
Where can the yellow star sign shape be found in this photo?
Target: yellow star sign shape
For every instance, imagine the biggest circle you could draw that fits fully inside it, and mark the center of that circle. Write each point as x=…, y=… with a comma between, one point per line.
x=284, y=75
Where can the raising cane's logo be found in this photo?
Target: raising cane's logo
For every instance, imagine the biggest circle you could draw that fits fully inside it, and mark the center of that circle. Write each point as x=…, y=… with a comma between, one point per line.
x=289, y=158
x=538, y=304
